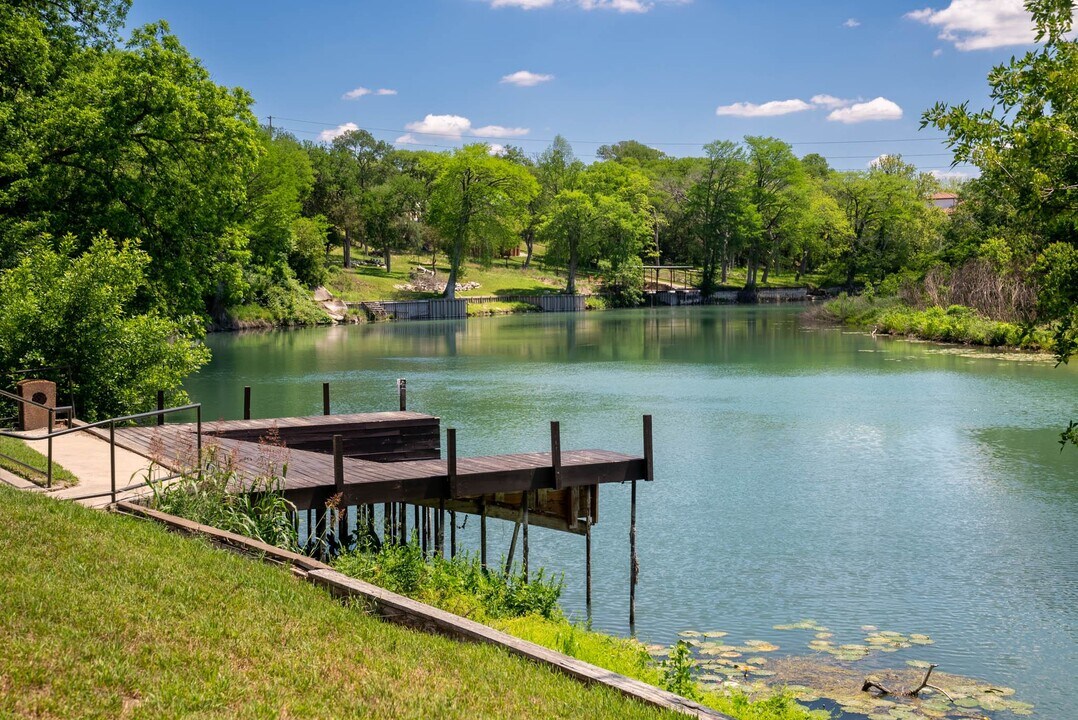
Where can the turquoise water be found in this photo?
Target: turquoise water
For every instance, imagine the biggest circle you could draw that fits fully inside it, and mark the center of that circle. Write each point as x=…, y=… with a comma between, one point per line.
x=802, y=472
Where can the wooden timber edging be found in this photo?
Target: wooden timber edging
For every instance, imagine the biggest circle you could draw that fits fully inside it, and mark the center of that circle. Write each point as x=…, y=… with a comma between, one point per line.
x=412, y=613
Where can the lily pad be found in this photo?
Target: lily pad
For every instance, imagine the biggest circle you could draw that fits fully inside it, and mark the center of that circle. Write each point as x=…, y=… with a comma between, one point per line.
x=761, y=645
x=715, y=634
x=919, y=664
x=824, y=635
x=689, y=633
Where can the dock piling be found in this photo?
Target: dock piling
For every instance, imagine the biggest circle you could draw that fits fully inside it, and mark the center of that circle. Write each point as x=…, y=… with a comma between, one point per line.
x=524, y=547
x=325, y=398
x=246, y=402
x=402, y=393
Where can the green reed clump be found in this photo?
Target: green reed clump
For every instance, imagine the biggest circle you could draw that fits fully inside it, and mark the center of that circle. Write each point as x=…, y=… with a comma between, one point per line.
x=459, y=584
x=220, y=497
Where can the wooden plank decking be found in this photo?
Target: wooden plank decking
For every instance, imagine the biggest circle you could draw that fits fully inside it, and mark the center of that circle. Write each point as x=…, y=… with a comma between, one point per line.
x=375, y=436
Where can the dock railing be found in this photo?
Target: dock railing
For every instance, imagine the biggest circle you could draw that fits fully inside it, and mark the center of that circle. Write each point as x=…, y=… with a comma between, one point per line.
x=111, y=424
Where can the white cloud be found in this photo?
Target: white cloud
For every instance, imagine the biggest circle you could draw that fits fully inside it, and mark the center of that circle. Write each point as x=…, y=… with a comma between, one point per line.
x=852, y=23
x=497, y=131
x=497, y=149
x=953, y=175
x=879, y=159
x=621, y=6
x=767, y=109
x=455, y=127
x=359, y=92
x=524, y=78
x=879, y=109
x=328, y=135
x=980, y=24
x=522, y=4
x=937, y=52
x=830, y=101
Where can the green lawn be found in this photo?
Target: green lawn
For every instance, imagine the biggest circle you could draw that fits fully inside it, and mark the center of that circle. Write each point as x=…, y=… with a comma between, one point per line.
x=504, y=277
x=12, y=448
x=105, y=616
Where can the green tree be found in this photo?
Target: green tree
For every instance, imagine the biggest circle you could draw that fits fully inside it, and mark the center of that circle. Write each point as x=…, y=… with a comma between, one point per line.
x=722, y=212
x=275, y=192
x=571, y=232
x=138, y=142
x=1026, y=146
x=478, y=204
x=778, y=192
x=60, y=308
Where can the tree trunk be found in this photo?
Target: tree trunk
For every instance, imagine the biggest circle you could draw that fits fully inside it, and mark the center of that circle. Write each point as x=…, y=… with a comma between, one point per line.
x=570, y=285
x=388, y=258
x=802, y=267
x=725, y=267
x=347, y=248
x=529, y=243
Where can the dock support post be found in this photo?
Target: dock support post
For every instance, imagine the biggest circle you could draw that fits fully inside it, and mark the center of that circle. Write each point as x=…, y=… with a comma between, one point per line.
x=483, y=532
x=402, y=393
x=338, y=486
x=634, y=565
x=160, y=407
x=587, y=562
x=246, y=402
x=325, y=398
x=439, y=528
x=527, y=497
x=452, y=534
x=387, y=523
x=512, y=549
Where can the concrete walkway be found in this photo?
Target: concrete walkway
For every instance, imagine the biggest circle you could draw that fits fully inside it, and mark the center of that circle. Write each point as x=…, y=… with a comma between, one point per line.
x=86, y=456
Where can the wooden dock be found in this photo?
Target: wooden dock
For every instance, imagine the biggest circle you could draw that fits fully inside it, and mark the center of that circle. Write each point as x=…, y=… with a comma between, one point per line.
x=389, y=457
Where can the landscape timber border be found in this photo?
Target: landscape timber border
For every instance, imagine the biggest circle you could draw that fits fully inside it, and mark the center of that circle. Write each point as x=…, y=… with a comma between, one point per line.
x=411, y=613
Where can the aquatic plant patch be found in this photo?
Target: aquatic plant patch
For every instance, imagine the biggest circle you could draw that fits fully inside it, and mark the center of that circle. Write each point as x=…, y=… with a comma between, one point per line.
x=832, y=678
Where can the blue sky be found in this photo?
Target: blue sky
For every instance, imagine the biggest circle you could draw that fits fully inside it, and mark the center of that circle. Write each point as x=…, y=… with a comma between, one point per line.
x=671, y=73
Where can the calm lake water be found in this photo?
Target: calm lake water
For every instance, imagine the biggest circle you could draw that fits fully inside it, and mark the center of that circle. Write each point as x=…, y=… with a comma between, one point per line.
x=802, y=472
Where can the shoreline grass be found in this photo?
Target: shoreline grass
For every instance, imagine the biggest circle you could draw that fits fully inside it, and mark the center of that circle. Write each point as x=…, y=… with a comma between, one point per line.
x=11, y=447
x=178, y=628
x=530, y=611
x=956, y=324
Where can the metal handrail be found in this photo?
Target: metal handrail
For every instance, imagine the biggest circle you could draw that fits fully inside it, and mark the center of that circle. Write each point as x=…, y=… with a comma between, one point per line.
x=111, y=423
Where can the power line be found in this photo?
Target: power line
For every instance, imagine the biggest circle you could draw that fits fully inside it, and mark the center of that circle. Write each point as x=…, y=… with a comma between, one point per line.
x=596, y=142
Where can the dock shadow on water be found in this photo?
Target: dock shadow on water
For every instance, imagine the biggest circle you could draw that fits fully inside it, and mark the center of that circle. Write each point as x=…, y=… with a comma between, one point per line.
x=878, y=678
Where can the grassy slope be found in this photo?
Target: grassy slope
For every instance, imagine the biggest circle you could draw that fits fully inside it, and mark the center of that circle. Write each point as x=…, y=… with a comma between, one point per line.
x=26, y=454
x=93, y=629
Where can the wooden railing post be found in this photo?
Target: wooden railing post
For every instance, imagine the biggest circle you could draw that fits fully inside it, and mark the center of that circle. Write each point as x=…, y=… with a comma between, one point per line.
x=325, y=398
x=338, y=486
x=649, y=454
x=402, y=393
x=246, y=402
x=160, y=408
x=555, y=452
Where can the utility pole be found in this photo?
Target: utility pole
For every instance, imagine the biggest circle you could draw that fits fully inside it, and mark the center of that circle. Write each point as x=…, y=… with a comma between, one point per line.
x=271, y=124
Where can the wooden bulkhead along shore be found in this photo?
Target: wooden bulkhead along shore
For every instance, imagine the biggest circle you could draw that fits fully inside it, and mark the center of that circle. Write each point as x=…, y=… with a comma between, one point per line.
x=379, y=463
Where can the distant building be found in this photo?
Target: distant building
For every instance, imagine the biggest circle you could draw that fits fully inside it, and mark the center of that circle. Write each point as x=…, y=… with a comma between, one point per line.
x=945, y=201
